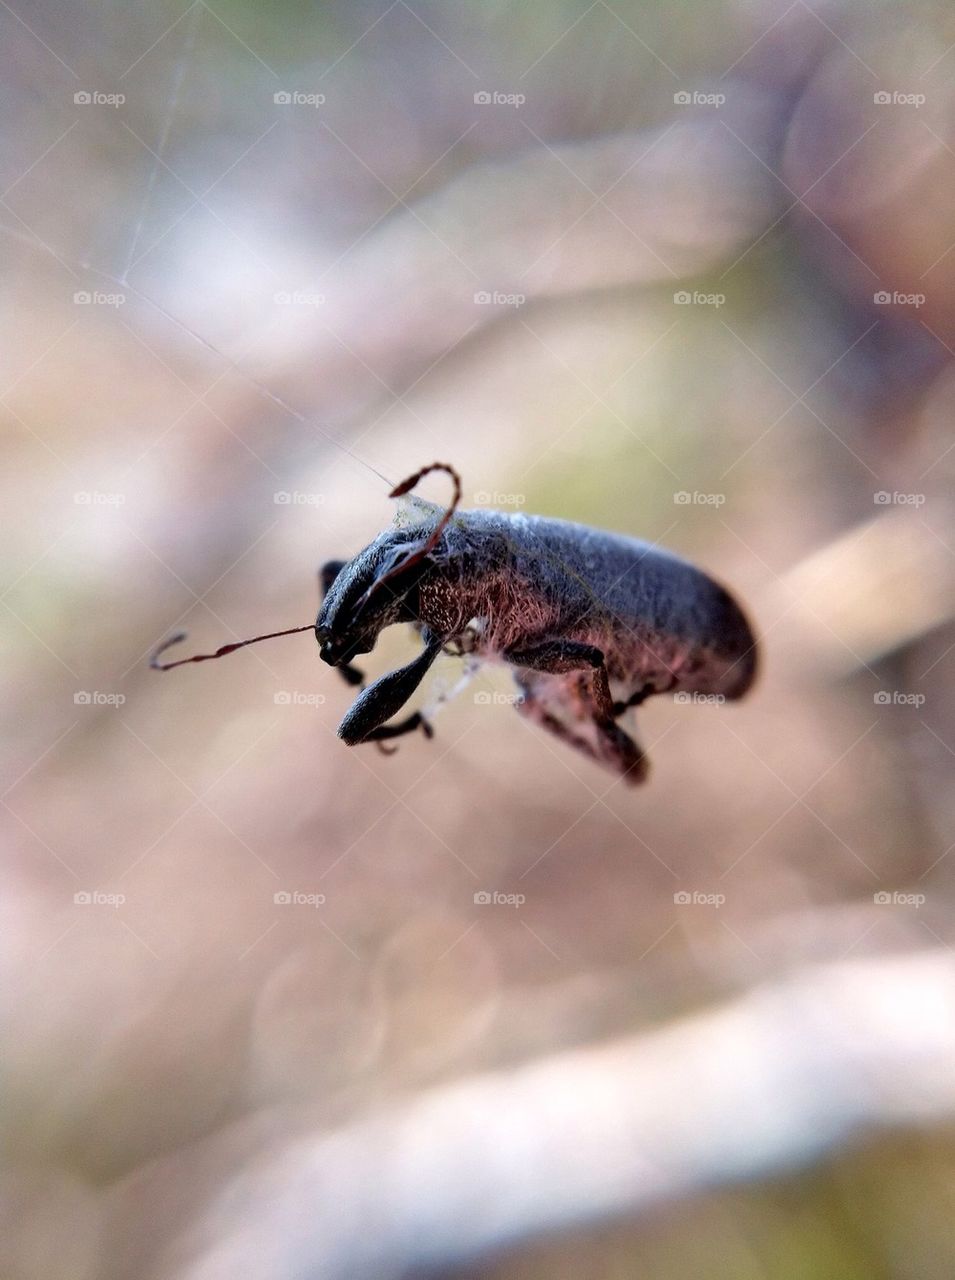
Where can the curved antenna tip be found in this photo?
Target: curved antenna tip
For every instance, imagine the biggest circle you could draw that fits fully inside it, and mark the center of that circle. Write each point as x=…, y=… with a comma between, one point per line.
x=161, y=649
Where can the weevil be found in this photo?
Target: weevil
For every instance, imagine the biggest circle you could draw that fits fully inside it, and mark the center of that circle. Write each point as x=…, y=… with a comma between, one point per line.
x=592, y=623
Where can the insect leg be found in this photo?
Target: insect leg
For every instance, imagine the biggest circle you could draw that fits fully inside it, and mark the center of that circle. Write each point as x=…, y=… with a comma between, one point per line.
x=615, y=747
x=365, y=720
x=533, y=707
x=327, y=575
x=634, y=700
x=559, y=656
x=400, y=728
x=622, y=753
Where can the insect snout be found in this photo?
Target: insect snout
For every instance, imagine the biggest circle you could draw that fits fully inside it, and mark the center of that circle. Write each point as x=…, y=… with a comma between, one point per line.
x=338, y=653
x=333, y=649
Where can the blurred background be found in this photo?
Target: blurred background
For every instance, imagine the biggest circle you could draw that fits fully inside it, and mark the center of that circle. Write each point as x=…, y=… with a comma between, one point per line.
x=685, y=271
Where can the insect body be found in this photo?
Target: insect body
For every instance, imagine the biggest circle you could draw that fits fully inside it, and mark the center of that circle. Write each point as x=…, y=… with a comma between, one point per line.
x=592, y=623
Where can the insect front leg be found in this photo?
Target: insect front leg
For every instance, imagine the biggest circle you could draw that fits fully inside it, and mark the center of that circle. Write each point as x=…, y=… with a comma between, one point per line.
x=614, y=746
x=365, y=721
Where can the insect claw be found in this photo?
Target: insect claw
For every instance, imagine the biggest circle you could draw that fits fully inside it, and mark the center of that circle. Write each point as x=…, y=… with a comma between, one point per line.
x=420, y=723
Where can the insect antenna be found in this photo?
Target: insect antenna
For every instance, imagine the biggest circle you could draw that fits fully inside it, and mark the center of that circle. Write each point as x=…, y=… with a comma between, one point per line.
x=399, y=491
x=406, y=486
x=219, y=653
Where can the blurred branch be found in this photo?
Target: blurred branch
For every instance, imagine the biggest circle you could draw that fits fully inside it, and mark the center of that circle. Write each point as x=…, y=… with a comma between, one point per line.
x=880, y=586
x=639, y=209
x=768, y=1082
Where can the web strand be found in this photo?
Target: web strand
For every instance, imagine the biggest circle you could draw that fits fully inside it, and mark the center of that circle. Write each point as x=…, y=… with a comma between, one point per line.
x=39, y=247
x=123, y=282
x=173, y=103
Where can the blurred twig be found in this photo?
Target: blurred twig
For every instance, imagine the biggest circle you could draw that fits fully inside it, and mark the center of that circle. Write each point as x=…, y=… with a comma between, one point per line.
x=880, y=586
x=770, y=1081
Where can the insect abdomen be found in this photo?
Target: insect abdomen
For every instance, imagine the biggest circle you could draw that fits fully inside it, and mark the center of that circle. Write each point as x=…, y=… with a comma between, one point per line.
x=654, y=614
